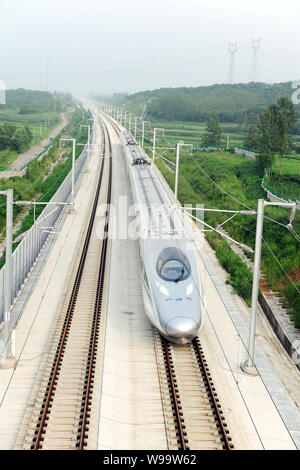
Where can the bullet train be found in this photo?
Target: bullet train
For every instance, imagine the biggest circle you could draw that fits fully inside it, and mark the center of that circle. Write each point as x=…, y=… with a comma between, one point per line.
x=172, y=291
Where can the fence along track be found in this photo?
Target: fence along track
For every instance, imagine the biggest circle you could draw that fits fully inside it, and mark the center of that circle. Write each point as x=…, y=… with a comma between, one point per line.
x=66, y=391
x=193, y=416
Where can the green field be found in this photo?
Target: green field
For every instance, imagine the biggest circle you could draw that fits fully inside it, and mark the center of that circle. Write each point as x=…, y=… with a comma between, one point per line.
x=192, y=132
x=40, y=130
x=39, y=110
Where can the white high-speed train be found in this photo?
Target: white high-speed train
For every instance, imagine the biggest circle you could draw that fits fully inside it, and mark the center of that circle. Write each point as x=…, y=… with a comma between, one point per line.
x=172, y=291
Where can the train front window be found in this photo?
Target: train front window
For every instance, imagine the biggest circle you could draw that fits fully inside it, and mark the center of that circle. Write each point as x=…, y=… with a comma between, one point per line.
x=173, y=265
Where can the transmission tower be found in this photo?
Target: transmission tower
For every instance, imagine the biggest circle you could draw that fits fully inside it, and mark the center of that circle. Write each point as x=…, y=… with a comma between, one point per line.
x=254, y=69
x=232, y=51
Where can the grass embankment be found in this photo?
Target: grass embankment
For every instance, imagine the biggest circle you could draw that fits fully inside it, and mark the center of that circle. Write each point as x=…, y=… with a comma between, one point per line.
x=240, y=178
x=286, y=185
x=42, y=178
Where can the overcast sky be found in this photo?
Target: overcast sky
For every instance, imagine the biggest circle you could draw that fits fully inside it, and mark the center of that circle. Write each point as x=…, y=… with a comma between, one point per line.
x=132, y=45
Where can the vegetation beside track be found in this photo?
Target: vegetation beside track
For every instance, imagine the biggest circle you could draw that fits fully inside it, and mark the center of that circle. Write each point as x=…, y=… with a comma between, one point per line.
x=26, y=119
x=43, y=177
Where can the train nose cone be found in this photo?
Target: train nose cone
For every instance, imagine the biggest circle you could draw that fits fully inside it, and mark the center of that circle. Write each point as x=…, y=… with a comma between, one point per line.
x=181, y=327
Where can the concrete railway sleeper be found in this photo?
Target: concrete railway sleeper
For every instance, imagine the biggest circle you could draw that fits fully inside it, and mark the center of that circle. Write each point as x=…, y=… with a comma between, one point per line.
x=193, y=415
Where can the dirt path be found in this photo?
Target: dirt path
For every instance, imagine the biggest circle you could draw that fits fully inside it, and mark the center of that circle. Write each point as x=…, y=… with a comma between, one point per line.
x=26, y=157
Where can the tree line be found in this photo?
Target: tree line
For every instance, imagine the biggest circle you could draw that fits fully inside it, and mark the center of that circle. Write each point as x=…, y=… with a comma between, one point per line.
x=269, y=132
x=15, y=138
x=233, y=103
x=32, y=101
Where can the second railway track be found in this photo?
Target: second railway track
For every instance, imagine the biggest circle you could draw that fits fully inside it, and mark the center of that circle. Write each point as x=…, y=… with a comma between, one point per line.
x=193, y=415
x=64, y=415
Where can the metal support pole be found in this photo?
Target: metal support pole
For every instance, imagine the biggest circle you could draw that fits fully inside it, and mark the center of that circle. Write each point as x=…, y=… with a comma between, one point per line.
x=143, y=133
x=135, y=123
x=180, y=143
x=89, y=136
x=7, y=357
x=153, y=148
x=154, y=141
x=9, y=222
x=73, y=172
x=73, y=168
x=249, y=366
x=88, y=146
x=176, y=170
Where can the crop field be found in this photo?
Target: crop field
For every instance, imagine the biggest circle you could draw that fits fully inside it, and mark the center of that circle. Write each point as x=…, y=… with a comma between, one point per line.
x=192, y=132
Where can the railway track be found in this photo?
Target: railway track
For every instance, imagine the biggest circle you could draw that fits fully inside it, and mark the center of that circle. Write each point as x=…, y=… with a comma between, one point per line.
x=193, y=415
x=64, y=416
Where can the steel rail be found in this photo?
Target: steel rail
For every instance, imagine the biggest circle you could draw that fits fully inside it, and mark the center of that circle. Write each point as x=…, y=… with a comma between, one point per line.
x=177, y=413
x=214, y=401
x=50, y=391
x=90, y=371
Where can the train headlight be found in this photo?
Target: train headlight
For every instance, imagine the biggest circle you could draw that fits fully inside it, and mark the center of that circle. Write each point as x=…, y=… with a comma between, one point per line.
x=162, y=289
x=189, y=289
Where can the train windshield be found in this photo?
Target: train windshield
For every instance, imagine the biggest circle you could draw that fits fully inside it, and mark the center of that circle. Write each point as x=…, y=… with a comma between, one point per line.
x=173, y=265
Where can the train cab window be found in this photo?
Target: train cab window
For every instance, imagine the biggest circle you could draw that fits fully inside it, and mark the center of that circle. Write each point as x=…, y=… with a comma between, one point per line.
x=173, y=265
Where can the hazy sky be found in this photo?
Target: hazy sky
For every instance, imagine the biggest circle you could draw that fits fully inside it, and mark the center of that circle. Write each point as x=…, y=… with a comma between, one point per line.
x=130, y=45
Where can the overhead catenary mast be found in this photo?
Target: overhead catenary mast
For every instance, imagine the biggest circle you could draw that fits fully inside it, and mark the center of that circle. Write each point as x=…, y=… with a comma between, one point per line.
x=232, y=51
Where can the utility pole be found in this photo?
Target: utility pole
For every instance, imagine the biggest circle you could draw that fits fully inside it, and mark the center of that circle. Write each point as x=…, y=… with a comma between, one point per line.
x=154, y=141
x=143, y=132
x=89, y=135
x=8, y=354
x=232, y=51
x=180, y=143
x=73, y=167
x=135, y=124
x=129, y=125
x=249, y=366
